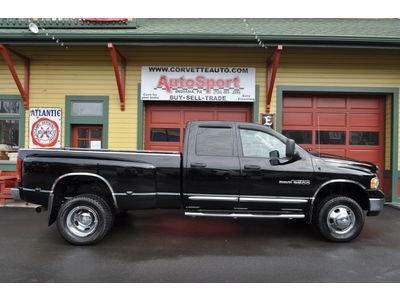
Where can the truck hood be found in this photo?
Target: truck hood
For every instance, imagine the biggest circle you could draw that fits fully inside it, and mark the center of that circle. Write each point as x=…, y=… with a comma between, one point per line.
x=347, y=163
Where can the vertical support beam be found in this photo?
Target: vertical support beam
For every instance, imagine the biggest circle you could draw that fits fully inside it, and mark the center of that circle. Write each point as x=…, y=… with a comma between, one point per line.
x=272, y=69
x=120, y=73
x=394, y=154
x=256, y=105
x=140, y=117
x=23, y=89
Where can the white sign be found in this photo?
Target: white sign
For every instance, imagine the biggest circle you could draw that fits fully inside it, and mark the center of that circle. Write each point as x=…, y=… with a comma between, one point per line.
x=267, y=120
x=235, y=84
x=45, y=127
x=95, y=144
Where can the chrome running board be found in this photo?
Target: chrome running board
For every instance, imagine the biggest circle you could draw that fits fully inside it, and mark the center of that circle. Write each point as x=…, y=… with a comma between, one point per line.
x=239, y=215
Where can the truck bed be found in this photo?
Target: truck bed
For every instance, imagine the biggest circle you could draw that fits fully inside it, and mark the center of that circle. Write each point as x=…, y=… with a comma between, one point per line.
x=138, y=179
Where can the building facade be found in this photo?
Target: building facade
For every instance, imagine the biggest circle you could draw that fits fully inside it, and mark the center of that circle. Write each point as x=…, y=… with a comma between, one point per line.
x=332, y=85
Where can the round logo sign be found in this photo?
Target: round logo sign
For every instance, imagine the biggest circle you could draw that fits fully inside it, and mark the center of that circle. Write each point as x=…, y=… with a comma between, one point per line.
x=45, y=132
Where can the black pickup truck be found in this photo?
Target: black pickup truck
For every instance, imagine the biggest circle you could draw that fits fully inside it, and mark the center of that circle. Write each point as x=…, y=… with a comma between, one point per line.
x=227, y=169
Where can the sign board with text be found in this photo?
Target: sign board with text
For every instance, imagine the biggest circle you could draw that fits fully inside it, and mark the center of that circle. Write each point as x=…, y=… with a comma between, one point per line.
x=268, y=119
x=45, y=127
x=199, y=84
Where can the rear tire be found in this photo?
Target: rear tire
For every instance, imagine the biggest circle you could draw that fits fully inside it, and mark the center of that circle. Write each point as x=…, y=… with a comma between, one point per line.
x=85, y=219
x=338, y=218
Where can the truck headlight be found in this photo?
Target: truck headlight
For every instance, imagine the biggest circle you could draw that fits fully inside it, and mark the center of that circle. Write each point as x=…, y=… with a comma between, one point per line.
x=374, y=184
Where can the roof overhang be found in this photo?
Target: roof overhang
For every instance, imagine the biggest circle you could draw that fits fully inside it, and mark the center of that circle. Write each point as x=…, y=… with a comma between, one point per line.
x=202, y=40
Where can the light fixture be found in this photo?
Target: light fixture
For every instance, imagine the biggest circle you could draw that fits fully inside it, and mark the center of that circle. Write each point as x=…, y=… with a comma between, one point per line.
x=33, y=28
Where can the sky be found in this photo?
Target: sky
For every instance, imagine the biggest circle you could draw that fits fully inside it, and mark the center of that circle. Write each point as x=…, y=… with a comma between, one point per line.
x=202, y=8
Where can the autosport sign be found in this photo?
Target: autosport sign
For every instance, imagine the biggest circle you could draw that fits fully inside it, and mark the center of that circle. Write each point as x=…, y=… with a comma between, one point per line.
x=45, y=128
x=177, y=83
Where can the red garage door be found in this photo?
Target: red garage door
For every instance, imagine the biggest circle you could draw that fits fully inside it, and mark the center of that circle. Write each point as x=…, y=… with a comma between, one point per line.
x=345, y=125
x=165, y=123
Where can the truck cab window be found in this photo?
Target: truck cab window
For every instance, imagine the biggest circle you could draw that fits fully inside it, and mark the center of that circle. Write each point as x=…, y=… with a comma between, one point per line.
x=214, y=141
x=260, y=144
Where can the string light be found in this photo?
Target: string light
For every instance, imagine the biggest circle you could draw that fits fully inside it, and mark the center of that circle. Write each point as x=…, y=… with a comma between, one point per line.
x=54, y=38
x=254, y=33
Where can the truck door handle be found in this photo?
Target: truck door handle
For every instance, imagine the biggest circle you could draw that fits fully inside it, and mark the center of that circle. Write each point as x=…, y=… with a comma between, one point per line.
x=252, y=167
x=198, y=165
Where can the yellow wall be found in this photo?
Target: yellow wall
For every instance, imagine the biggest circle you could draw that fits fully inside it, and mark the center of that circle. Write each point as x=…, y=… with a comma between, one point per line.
x=57, y=72
x=339, y=67
x=7, y=85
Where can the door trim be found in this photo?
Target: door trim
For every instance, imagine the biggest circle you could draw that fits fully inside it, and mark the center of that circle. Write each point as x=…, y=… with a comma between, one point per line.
x=208, y=197
x=70, y=120
x=273, y=199
x=244, y=215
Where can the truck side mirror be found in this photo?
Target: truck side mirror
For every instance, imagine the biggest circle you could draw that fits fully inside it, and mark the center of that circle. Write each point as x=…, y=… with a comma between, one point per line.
x=290, y=148
x=274, y=158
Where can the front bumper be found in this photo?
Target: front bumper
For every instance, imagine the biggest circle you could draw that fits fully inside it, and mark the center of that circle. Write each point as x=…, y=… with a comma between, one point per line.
x=376, y=202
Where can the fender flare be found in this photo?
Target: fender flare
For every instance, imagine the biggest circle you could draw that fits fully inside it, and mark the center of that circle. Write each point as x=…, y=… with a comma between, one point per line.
x=51, y=195
x=325, y=184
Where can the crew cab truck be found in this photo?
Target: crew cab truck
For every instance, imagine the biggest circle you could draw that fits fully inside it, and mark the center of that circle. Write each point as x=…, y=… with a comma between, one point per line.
x=227, y=169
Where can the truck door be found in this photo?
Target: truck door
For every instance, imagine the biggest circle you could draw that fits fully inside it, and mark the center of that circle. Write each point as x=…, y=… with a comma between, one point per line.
x=212, y=171
x=268, y=184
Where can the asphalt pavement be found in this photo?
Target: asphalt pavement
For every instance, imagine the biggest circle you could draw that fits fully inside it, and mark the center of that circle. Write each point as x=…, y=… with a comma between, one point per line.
x=165, y=246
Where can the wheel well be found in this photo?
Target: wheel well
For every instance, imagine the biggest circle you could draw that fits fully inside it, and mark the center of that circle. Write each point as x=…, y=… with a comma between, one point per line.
x=72, y=186
x=351, y=190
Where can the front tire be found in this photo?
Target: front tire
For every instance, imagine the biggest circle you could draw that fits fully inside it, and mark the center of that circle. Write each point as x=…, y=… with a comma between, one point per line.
x=339, y=219
x=84, y=220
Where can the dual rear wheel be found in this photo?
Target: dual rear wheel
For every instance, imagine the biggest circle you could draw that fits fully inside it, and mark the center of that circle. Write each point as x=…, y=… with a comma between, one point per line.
x=85, y=219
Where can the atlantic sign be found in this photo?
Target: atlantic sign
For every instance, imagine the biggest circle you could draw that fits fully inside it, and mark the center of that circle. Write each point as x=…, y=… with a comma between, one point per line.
x=45, y=127
x=177, y=83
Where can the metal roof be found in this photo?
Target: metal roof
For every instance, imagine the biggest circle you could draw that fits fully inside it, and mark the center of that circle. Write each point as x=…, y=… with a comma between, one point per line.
x=232, y=31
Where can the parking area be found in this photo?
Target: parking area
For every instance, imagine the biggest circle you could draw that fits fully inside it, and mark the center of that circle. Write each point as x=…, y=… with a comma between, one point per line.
x=165, y=246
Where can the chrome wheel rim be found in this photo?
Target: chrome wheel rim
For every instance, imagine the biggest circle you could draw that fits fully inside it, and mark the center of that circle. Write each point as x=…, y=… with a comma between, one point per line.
x=341, y=219
x=82, y=221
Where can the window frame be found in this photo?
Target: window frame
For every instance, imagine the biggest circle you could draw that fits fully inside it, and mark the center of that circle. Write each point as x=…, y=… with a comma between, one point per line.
x=71, y=120
x=7, y=165
x=75, y=133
